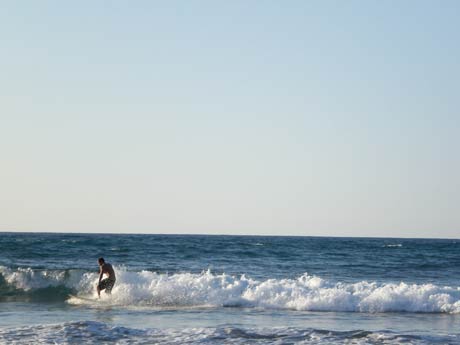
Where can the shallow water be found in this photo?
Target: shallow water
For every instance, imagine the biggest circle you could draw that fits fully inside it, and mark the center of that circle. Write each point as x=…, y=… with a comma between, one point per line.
x=229, y=289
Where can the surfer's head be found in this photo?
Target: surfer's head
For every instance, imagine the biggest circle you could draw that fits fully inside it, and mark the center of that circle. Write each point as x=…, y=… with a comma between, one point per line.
x=101, y=261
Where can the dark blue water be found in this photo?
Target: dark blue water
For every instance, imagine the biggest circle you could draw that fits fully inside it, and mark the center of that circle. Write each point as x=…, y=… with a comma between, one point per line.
x=393, y=289
x=345, y=259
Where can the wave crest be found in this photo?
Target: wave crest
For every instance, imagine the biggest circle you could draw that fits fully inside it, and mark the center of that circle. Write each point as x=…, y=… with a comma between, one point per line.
x=308, y=293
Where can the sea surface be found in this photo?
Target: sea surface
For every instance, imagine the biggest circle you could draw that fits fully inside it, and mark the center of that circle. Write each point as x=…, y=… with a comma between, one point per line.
x=176, y=289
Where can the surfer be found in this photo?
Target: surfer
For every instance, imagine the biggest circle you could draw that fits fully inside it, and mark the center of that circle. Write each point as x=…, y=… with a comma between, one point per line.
x=106, y=283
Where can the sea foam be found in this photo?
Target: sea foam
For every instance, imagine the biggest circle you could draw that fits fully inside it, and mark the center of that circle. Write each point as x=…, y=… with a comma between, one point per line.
x=306, y=293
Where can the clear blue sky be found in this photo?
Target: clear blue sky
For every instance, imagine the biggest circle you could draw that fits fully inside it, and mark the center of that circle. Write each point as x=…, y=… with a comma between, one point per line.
x=245, y=117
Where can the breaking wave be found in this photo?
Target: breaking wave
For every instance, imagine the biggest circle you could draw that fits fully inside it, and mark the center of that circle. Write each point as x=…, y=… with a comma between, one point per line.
x=307, y=293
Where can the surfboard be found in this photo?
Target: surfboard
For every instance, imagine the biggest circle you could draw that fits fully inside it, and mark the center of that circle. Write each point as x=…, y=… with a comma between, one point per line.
x=84, y=298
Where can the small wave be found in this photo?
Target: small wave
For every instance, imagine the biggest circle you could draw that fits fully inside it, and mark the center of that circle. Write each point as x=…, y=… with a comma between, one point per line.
x=69, y=241
x=397, y=245
x=26, y=284
x=92, y=332
x=309, y=293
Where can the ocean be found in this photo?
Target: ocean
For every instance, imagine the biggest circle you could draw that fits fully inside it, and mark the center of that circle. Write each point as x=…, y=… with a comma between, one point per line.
x=199, y=289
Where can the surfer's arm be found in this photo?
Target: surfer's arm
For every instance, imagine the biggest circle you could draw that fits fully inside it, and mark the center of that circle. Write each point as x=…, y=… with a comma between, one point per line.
x=101, y=273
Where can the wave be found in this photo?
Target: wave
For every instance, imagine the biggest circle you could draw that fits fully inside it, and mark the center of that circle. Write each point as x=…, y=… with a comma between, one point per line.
x=92, y=332
x=26, y=284
x=306, y=293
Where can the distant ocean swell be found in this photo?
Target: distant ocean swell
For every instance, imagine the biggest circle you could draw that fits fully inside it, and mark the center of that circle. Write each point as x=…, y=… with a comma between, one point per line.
x=308, y=293
x=101, y=333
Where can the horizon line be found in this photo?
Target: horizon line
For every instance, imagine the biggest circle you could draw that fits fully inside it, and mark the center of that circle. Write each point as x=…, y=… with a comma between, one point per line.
x=228, y=235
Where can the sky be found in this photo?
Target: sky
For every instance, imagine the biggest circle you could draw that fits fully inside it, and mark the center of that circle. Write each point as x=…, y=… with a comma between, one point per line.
x=312, y=118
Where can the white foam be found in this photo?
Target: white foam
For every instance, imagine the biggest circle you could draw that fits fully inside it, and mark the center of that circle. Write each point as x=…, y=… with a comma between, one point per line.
x=28, y=279
x=310, y=293
x=305, y=293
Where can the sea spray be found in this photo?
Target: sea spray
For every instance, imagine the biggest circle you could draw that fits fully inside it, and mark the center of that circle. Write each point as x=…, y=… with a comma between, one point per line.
x=307, y=292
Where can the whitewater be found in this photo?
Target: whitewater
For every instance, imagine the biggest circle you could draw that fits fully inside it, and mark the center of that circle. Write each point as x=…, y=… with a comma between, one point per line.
x=308, y=293
x=229, y=289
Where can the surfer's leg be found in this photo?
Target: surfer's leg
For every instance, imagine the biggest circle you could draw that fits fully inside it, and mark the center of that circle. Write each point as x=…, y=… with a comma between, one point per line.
x=101, y=286
x=109, y=286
